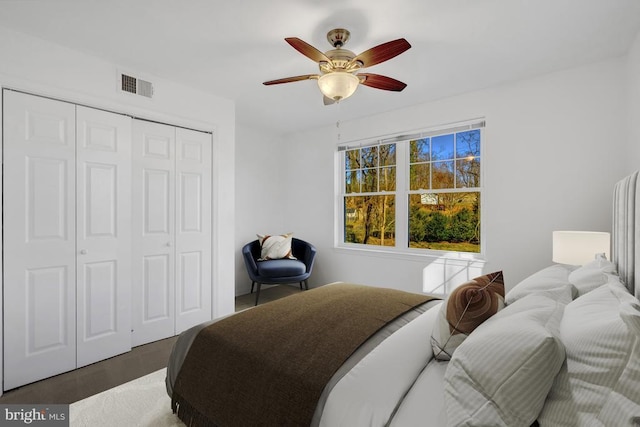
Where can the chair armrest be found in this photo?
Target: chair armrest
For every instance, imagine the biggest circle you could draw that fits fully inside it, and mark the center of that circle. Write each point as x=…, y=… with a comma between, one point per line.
x=309, y=256
x=249, y=261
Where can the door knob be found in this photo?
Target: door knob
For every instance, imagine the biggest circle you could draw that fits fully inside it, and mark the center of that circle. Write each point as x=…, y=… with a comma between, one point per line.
x=169, y=244
x=83, y=252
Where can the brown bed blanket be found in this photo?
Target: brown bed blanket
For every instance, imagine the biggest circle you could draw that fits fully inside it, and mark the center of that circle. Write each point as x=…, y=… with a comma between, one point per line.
x=267, y=366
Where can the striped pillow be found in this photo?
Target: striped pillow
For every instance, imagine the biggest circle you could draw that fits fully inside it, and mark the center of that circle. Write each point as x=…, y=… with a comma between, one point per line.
x=623, y=404
x=275, y=247
x=591, y=275
x=599, y=345
x=552, y=277
x=502, y=373
x=464, y=310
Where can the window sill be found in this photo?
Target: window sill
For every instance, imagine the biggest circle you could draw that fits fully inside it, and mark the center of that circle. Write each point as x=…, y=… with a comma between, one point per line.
x=411, y=255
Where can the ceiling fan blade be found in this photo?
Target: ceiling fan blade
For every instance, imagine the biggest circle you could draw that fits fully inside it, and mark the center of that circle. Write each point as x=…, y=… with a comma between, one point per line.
x=382, y=52
x=327, y=101
x=381, y=82
x=291, y=79
x=307, y=50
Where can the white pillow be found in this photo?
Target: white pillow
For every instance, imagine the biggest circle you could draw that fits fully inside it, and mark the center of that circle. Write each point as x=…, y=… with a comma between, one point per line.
x=623, y=404
x=554, y=276
x=275, y=247
x=501, y=374
x=598, y=347
x=592, y=275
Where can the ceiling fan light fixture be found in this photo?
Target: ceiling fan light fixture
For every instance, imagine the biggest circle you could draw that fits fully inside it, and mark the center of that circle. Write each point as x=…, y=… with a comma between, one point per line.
x=337, y=79
x=338, y=85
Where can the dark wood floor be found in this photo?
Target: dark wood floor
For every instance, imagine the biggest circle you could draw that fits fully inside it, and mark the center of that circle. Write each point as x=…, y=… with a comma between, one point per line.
x=89, y=380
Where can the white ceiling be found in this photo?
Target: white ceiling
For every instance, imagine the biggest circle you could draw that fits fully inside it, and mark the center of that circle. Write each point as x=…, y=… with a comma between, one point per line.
x=229, y=48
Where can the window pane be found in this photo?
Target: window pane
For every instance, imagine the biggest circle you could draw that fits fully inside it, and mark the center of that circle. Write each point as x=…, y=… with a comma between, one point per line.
x=352, y=182
x=370, y=180
x=419, y=176
x=468, y=172
x=387, y=154
x=442, y=175
x=419, y=151
x=369, y=157
x=442, y=147
x=468, y=144
x=445, y=221
x=352, y=159
x=370, y=220
x=388, y=179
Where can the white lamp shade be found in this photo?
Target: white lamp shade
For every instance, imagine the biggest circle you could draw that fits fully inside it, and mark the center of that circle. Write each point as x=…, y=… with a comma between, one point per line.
x=338, y=85
x=579, y=247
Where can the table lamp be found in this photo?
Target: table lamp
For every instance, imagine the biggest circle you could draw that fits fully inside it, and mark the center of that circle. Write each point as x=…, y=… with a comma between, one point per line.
x=579, y=247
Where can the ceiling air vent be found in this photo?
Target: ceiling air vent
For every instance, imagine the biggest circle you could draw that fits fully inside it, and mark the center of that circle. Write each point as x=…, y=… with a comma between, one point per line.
x=137, y=86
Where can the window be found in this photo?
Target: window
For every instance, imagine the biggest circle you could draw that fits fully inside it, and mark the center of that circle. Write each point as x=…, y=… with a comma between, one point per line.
x=413, y=193
x=369, y=201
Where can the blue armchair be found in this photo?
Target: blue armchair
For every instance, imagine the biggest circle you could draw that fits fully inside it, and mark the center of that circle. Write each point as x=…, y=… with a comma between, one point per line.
x=279, y=271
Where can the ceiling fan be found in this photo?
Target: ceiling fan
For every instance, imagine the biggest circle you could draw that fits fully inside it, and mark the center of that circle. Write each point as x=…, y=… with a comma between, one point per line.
x=339, y=68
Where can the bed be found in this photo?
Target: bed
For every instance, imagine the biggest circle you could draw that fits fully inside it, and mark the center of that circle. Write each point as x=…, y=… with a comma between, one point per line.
x=561, y=348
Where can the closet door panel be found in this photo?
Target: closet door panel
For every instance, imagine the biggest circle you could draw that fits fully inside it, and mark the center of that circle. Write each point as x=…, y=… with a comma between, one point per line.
x=39, y=238
x=104, y=234
x=46, y=204
x=153, y=232
x=99, y=305
x=193, y=233
x=46, y=308
x=156, y=292
x=157, y=207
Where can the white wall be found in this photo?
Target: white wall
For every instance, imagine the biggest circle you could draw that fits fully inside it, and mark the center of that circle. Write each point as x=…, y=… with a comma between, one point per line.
x=259, y=170
x=633, y=115
x=35, y=65
x=553, y=147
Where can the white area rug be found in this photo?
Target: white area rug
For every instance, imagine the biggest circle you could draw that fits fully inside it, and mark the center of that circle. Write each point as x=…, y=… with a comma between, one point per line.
x=141, y=402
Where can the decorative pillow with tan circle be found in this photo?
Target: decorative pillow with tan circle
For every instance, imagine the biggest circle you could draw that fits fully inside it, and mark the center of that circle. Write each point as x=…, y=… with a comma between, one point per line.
x=464, y=310
x=275, y=247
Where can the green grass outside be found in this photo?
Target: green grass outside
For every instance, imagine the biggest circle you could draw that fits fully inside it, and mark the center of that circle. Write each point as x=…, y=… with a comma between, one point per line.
x=436, y=246
x=447, y=246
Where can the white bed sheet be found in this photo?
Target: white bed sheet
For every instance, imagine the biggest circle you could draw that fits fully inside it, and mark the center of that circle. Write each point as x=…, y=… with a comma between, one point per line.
x=369, y=393
x=424, y=404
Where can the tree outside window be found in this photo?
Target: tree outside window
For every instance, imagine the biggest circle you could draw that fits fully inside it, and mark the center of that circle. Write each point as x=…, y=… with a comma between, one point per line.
x=369, y=202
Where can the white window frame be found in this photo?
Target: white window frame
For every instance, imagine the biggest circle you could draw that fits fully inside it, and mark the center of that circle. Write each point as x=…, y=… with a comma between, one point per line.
x=403, y=191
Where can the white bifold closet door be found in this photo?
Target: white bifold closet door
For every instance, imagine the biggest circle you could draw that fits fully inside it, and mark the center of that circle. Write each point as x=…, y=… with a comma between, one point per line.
x=66, y=238
x=171, y=230
x=103, y=205
x=39, y=238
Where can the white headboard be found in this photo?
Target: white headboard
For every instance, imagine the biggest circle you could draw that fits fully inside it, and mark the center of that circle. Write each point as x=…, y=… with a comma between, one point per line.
x=625, y=242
